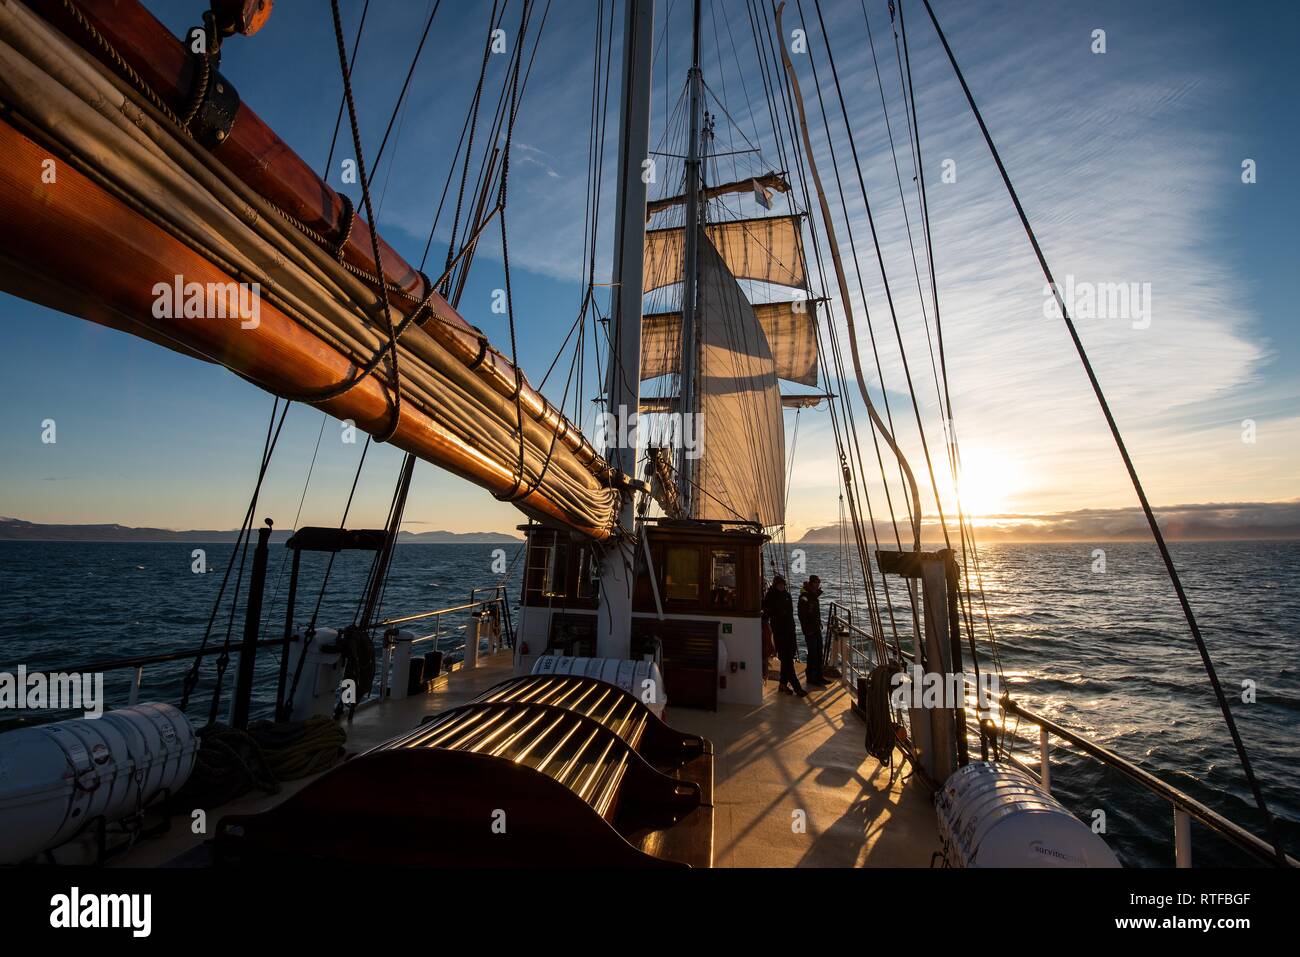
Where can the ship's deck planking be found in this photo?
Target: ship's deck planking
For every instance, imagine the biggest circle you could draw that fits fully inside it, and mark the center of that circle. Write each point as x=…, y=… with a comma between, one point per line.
x=792, y=786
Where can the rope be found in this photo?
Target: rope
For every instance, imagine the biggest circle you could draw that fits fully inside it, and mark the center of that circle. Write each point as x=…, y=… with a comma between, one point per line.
x=882, y=733
x=268, y=448
x=329, y=567
x=338, y=120
x=370, y=217
x=300, y=748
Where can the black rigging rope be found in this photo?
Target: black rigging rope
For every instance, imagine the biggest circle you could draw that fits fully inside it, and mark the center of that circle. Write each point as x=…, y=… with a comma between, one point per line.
x=401, y=97
x=396, y=380
x=338, y=120
x=268, y=448
x=324, y=585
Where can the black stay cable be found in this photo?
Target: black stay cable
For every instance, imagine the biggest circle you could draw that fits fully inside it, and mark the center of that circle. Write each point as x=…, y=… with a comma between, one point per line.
x=391, y=430
x=268, y=448
x=966, y=532
x=1123, y=450
x=473, y=126
x=338, y=120
x=521, y=478
x=310, y=634
x=401, y=97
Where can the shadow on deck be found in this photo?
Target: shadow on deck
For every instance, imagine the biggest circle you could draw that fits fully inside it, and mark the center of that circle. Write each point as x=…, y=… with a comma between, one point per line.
x=793, y=787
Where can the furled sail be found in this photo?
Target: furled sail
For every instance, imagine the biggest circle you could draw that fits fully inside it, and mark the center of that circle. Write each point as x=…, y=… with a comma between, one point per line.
x=766, y=185
x=741, y=473
x=790, y=328
x=765, y=249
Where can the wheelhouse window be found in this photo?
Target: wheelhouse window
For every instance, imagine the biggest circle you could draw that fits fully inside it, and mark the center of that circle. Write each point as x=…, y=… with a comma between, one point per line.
x=682, y=574
x=555, y=582
x=722, y=578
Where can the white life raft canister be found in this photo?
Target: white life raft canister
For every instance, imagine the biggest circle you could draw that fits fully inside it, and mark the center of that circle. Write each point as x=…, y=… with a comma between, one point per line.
x=995, y=815
x=55, y=778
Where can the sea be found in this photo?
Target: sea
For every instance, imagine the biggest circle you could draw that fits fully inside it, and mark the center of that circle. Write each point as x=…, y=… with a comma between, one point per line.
x=1090, y=635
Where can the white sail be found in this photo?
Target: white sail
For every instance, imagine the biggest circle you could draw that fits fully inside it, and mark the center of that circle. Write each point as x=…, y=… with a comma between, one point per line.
x=741, y=473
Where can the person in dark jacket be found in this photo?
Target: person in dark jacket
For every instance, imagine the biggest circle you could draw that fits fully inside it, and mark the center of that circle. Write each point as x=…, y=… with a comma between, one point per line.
x=810, y=620
x=778, y=613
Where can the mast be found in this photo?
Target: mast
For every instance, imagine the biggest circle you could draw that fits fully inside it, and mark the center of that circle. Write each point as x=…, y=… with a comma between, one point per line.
x=689, y=401
x=623, y=387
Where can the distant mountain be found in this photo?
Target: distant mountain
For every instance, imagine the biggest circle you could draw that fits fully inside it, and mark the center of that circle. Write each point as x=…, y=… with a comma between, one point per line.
x=462, y=538
x=16, y=530
x=1210, y=521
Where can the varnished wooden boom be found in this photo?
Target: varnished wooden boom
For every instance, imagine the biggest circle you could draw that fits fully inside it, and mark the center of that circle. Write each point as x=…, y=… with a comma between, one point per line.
x=73, y=246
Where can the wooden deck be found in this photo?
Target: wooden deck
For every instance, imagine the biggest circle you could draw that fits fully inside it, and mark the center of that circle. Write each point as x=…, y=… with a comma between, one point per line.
x=792, y=785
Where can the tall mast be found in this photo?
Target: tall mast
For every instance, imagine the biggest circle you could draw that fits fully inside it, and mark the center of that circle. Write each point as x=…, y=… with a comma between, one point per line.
x=623, y=387
x=688, y=403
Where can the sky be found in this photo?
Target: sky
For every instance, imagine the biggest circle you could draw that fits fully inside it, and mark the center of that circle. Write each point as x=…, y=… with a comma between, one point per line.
x=1128, y=162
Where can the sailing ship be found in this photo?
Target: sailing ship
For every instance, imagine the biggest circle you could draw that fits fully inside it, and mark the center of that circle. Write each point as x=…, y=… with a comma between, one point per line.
x=626, y=718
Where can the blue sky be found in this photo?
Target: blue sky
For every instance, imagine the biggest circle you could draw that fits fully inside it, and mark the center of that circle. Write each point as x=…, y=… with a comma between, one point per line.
x=1128, y=163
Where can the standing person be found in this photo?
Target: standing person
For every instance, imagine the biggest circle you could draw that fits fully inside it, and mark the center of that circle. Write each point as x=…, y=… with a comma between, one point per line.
x=778, y=612
x=810, y=620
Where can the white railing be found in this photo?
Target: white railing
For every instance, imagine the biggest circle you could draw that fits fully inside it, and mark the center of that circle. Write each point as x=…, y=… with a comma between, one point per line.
x=857, y=648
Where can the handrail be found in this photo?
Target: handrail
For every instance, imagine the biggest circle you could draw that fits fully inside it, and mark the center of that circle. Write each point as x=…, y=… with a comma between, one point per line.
x=1184, y=805
x=1212, y=819
x=424, y=615
x=139, y=661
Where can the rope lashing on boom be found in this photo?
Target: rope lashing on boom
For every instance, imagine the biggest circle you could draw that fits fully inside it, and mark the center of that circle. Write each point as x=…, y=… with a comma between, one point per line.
x=1165, y=555
x=203, y=63
x=345, y=229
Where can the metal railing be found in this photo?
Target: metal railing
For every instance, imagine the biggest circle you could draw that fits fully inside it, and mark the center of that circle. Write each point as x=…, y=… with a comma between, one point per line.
x=499, y=601
x=138, y=663
x=857, y=653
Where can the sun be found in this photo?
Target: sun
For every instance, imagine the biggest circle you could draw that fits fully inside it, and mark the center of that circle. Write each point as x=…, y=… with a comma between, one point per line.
x=989, y=481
